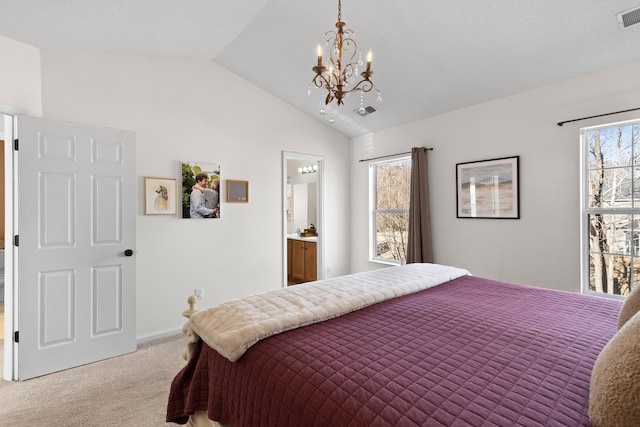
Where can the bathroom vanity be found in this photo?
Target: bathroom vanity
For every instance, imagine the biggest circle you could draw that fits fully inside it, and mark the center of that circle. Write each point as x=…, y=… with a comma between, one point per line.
x=302, y=259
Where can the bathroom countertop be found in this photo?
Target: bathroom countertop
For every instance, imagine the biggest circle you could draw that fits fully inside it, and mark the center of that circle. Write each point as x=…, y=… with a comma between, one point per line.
x=305, y=239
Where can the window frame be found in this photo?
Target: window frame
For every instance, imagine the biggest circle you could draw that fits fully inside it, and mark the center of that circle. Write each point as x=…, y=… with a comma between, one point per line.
x=586, y=210
x=373, y=186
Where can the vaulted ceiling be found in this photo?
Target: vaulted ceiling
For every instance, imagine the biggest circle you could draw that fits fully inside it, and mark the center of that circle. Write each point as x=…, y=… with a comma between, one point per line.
x=430, y=56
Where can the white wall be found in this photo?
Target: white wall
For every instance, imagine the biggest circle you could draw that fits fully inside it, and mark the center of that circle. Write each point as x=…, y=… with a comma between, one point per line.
x=542, y=248
x=19, y=78
x=183, y=110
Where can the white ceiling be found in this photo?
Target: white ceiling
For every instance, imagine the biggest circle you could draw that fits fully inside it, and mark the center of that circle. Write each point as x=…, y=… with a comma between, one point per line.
x=430, y=56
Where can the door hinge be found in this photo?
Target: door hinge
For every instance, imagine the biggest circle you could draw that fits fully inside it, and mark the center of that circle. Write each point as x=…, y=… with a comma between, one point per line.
x=16, y=336
x=15, y=144
x=16, y=240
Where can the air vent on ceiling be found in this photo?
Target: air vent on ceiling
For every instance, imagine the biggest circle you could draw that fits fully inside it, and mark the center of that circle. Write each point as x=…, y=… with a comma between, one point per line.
x=629, y=18
x=365, y=111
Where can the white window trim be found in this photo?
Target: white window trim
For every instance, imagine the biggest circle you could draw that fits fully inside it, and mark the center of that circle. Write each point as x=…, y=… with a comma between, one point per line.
x=372, y=203
x=585, y=210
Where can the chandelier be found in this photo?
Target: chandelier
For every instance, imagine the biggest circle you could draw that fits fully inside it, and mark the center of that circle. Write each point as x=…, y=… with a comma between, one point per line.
x=339, y=75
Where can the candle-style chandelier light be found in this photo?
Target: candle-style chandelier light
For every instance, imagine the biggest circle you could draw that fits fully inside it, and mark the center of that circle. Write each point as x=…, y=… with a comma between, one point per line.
x=342, y=69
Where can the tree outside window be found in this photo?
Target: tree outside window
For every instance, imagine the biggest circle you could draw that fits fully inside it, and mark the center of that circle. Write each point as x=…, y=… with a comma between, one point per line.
x=390, y=181
x=611, y=209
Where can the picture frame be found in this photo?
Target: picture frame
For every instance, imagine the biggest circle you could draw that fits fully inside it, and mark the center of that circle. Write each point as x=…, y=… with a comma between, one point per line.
x=237, y=191
x=160, y=196
x=207, y=197
x=488, y=188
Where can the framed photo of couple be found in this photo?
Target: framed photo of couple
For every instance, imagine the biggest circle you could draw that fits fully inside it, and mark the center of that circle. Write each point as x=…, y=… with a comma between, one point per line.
x=200, y=190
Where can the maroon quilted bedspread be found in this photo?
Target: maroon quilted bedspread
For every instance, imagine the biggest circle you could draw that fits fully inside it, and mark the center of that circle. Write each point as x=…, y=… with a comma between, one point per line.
x=471, y=352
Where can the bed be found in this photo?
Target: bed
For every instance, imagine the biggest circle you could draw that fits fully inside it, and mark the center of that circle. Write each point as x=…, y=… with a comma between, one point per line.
x=420, y=344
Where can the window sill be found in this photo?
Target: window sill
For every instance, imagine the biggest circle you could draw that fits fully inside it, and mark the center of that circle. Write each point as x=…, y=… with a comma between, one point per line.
x=604, y=295
x=378, y=261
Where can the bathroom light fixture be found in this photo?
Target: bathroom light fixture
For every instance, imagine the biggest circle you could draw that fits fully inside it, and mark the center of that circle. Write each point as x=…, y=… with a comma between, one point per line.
x=308, y=169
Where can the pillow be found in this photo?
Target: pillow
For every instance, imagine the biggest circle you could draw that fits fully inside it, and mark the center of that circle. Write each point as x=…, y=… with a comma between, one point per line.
x=630, y=307
x=614, y=395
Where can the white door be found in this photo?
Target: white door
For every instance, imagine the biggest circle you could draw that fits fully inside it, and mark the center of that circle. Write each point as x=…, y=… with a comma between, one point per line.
x=75, y=221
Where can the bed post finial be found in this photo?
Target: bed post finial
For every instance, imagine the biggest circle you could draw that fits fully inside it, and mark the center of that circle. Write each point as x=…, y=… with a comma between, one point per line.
x=185, y=328
x=192, y=307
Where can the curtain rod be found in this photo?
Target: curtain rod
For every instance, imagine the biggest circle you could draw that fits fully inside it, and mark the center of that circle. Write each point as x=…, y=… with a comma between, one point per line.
x=391, y=155
x=599, y=115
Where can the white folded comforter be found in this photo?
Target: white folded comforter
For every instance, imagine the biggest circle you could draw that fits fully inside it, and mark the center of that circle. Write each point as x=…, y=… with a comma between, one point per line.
x=231, y=328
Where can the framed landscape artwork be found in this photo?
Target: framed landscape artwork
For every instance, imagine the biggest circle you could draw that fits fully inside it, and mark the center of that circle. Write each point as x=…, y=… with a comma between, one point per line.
x=159, y=196
x=488, y=188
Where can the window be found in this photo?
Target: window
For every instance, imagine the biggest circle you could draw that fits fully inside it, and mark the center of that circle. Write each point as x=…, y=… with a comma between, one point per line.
x=389, y=183
x=611, y=208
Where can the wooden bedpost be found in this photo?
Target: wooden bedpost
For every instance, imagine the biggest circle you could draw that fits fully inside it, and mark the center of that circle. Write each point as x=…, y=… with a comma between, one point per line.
x=188, y=313
x=199, y=418
x=192, y=307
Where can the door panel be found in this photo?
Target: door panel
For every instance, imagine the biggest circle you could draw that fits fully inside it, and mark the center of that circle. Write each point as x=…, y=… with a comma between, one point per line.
x=75, y=194
x=106, y=227
x=310, y=262
x=297, y=259
x=107, y=300
x=57, y=199
x=57, y=293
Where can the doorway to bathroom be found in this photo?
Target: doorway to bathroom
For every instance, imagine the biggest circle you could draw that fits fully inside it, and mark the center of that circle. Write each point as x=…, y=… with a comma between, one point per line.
x=303, y=228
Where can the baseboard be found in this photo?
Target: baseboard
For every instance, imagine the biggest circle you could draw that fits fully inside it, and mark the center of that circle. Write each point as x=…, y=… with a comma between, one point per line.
x=159, y=335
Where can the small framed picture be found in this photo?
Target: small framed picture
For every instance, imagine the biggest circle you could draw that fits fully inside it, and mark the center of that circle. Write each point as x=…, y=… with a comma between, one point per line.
x=237, y=191
x=160, y=196
x=488, y=188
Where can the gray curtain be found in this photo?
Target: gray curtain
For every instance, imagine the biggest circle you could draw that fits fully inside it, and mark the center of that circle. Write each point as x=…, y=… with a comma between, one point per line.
x=419, y=245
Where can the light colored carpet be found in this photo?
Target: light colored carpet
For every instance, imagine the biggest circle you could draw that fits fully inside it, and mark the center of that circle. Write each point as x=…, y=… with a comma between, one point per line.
x=130, y=390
